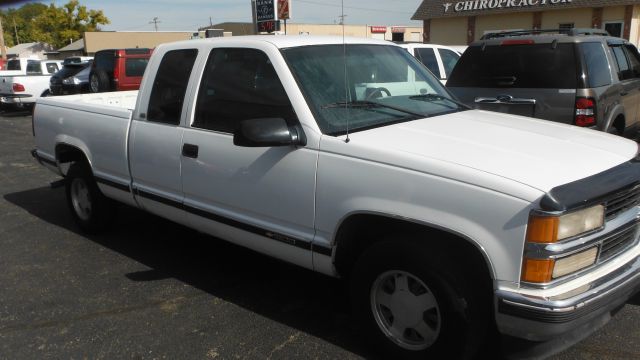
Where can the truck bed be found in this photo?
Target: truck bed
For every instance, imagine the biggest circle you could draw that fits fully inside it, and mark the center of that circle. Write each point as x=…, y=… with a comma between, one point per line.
x=108, y=102
x=96, y=123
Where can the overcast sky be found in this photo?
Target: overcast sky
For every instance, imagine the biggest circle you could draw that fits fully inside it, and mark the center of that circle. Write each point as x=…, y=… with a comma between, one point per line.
x=136, y=15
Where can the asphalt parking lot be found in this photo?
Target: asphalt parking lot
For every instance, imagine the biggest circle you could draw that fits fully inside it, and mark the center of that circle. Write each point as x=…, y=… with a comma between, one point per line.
x=151, y=289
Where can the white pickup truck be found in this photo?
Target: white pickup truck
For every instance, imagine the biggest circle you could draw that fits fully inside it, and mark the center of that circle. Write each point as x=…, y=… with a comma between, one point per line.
x=29, y=83
x=349, y=158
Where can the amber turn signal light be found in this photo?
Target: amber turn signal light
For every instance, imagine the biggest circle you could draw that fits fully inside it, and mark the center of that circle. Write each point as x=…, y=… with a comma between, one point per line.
x=543, y=229
x=537, y=271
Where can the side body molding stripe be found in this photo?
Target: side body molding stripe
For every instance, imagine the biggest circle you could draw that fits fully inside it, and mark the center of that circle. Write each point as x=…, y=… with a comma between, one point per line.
x=327, y=251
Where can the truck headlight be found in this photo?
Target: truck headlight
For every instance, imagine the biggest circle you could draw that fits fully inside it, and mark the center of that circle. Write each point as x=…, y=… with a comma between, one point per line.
x=543, y=228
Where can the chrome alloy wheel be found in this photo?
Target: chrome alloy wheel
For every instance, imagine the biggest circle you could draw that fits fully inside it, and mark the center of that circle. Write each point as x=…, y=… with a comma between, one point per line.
x=406, y=310
x=93, y=83
x=81, y=199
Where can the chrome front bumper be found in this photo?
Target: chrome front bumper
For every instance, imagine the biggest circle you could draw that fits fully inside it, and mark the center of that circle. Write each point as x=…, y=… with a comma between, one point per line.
x=585, y=301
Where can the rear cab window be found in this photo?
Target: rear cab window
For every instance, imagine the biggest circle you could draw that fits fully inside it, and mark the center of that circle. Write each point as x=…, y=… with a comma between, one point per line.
x=33, y=68
x=14, y=65
x=170, y=86
x=517, y=66
x=427, y=56
x=449, y=60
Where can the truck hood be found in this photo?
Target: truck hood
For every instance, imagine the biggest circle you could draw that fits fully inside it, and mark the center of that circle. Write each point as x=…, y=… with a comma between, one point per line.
x=537, y=153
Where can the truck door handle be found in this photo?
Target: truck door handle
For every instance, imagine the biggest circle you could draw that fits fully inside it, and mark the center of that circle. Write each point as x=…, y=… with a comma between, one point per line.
x=190, y=150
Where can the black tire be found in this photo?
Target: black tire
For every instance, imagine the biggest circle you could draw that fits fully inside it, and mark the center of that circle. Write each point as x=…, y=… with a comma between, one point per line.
x=458, y=323
x=99, y=81
x=90, y=209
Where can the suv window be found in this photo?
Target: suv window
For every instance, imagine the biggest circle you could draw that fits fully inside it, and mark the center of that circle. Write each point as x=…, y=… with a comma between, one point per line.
x=597, y=65
x=634, y=59
x=428, y=57
x=135, y=67
x=621, y=61
x=105, y=61
x=517, y=66
x=170, y=86
x=239, y=84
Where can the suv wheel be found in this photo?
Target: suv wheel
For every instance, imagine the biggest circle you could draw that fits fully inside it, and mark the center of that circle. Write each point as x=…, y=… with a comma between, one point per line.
x=98, y=81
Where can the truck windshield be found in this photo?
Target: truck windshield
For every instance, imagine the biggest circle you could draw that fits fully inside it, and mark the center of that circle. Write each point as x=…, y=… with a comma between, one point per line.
x=358, y=87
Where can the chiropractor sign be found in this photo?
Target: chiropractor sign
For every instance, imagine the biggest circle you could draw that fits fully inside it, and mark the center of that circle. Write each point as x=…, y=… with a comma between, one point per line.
x=475, y=5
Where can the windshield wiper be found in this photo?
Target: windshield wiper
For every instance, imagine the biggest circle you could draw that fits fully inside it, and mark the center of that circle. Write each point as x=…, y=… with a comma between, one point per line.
x=364, y=104
x=437, y=97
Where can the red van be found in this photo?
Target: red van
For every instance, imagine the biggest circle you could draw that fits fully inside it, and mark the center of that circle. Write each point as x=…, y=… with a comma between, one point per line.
x=118, y=69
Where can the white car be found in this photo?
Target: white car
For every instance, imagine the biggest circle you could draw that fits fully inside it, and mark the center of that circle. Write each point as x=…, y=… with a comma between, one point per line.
x=439, y=59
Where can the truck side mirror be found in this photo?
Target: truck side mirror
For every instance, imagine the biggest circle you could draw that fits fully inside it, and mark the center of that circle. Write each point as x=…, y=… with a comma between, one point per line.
x=265, y=132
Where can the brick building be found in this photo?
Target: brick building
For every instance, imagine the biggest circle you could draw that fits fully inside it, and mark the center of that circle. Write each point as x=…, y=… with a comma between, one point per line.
x=456, y=22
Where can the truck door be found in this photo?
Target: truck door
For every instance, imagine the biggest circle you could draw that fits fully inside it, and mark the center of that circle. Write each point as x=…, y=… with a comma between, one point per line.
x=258, y=197
x=156, y=138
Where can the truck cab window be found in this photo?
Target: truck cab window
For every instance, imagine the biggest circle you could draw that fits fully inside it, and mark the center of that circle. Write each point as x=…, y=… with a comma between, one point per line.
x=239, y=84
x=170, y=86
x=33, y=68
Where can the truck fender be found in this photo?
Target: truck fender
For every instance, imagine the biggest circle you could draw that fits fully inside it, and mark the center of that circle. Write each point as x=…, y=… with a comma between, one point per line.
x=69, y=149
x=340, y=241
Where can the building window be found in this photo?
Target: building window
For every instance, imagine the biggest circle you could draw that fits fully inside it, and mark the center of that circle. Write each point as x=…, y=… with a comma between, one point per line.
x=565, y=27
x=614, y=28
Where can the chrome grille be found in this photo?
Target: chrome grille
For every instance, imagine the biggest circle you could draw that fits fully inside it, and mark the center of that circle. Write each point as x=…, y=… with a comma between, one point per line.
x=618, y=242
x=622, y=201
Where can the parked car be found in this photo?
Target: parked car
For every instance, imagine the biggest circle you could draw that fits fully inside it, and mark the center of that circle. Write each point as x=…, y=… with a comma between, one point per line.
x=118, y=69
x=20, y=90
x=580, y=77
x=18, y=66
x=347, y=157
x=439, y=59
x=73, y=78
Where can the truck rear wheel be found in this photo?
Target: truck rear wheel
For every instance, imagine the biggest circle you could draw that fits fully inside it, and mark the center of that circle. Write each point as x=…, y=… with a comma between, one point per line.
x=90, y=209
x=412, y=303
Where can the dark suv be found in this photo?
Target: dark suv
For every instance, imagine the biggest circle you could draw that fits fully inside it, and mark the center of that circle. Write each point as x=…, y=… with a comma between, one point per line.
x=582, y=77
x=118, y=69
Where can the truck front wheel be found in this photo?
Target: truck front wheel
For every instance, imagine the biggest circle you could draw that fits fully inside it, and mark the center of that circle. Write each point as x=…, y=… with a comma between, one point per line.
x=413, y=303
x=90, y=209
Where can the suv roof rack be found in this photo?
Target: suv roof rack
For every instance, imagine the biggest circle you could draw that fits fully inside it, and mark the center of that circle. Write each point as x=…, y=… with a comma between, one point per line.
x=569, y=32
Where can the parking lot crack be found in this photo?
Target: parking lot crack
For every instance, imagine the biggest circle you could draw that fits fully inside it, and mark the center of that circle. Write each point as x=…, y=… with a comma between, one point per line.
x=291, y=339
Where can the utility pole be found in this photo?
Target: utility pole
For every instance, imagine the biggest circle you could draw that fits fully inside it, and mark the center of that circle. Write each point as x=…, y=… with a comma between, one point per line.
x=3, y=48
x=15, y=29
x=155, y=22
